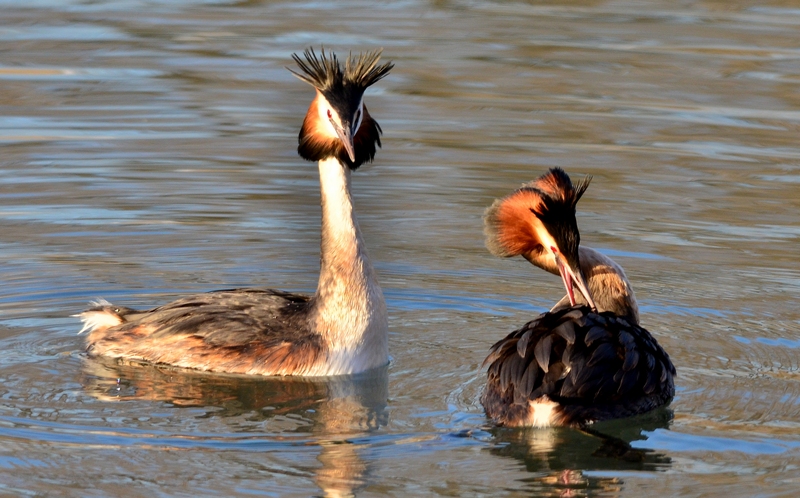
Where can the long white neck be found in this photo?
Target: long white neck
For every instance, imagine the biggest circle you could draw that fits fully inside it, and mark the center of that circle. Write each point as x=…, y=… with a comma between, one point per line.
x=349, y=309
x=607, y=282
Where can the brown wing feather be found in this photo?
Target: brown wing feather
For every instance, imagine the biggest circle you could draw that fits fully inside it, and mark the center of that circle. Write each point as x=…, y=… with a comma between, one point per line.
x=594, y=365
x=249, y=331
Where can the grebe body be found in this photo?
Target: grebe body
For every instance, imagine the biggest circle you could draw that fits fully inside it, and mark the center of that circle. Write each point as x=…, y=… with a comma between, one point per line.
x=578, y=363
x=343, y=327
x=575, y=366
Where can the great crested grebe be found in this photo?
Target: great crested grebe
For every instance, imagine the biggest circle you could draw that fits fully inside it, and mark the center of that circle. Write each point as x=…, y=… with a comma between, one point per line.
x=575, y=364
x=343, y=327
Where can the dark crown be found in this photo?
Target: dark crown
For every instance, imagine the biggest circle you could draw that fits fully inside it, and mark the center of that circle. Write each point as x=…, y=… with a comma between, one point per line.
x=557, y=211
x=557, y=191
x=325, y=73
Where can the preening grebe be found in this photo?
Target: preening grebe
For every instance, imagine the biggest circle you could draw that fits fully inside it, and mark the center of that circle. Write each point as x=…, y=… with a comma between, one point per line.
x=576, y=364
x=343, y=327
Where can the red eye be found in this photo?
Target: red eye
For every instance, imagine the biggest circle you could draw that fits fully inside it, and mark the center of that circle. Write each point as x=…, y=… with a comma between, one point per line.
x=330, y=116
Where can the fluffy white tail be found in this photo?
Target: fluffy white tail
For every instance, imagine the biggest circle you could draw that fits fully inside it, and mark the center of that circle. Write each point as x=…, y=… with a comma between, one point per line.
x=99, y=316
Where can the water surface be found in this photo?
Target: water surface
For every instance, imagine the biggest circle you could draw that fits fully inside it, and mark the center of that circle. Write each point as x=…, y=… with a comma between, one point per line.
x=148, y=152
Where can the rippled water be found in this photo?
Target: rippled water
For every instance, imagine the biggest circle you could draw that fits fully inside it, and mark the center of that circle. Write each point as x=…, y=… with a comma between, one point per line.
x=148, y=151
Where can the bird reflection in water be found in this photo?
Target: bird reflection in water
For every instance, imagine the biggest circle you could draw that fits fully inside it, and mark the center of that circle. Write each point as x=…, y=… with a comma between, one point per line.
x=566, y=462
x=332, y=410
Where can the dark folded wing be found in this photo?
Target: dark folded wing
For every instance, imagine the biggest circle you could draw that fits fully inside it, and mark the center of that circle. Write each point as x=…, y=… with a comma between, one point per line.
x=250, y=331
x=228, y=318
x=596, y=365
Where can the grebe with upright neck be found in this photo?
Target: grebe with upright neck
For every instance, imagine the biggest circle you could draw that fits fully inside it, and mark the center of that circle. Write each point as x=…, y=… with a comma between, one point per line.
x=343, y=327
x=587, y=359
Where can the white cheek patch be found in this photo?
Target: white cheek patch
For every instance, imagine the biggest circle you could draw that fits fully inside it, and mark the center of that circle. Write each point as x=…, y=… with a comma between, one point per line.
x=360, y=114
x=545, y=238
x=323, y=106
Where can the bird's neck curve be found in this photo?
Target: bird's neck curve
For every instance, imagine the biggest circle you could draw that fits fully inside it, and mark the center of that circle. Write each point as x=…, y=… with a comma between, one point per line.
x=349, y=308
x=610, y=287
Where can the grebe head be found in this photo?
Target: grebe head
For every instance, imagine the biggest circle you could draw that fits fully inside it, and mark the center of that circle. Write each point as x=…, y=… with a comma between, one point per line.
x=337, y=123
x=538, y=222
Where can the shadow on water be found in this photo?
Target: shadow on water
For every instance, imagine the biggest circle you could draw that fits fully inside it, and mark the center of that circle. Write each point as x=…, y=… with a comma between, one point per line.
x=336, y=412
x=564, y=460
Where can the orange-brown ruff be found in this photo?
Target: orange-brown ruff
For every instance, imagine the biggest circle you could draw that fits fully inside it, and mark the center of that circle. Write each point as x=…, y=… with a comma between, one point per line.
x=575, y=364
x=343, y=327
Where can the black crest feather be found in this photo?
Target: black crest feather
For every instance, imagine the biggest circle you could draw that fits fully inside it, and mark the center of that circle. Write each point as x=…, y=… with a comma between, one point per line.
x=557, y=190
x=325, y=73
x=557, y=210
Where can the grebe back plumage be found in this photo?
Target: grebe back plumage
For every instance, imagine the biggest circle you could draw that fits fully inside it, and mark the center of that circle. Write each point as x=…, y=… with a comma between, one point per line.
x=343, y=327
x=576, y=364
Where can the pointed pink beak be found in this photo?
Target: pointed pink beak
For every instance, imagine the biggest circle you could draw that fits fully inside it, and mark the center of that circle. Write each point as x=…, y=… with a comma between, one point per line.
x=568, y=276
